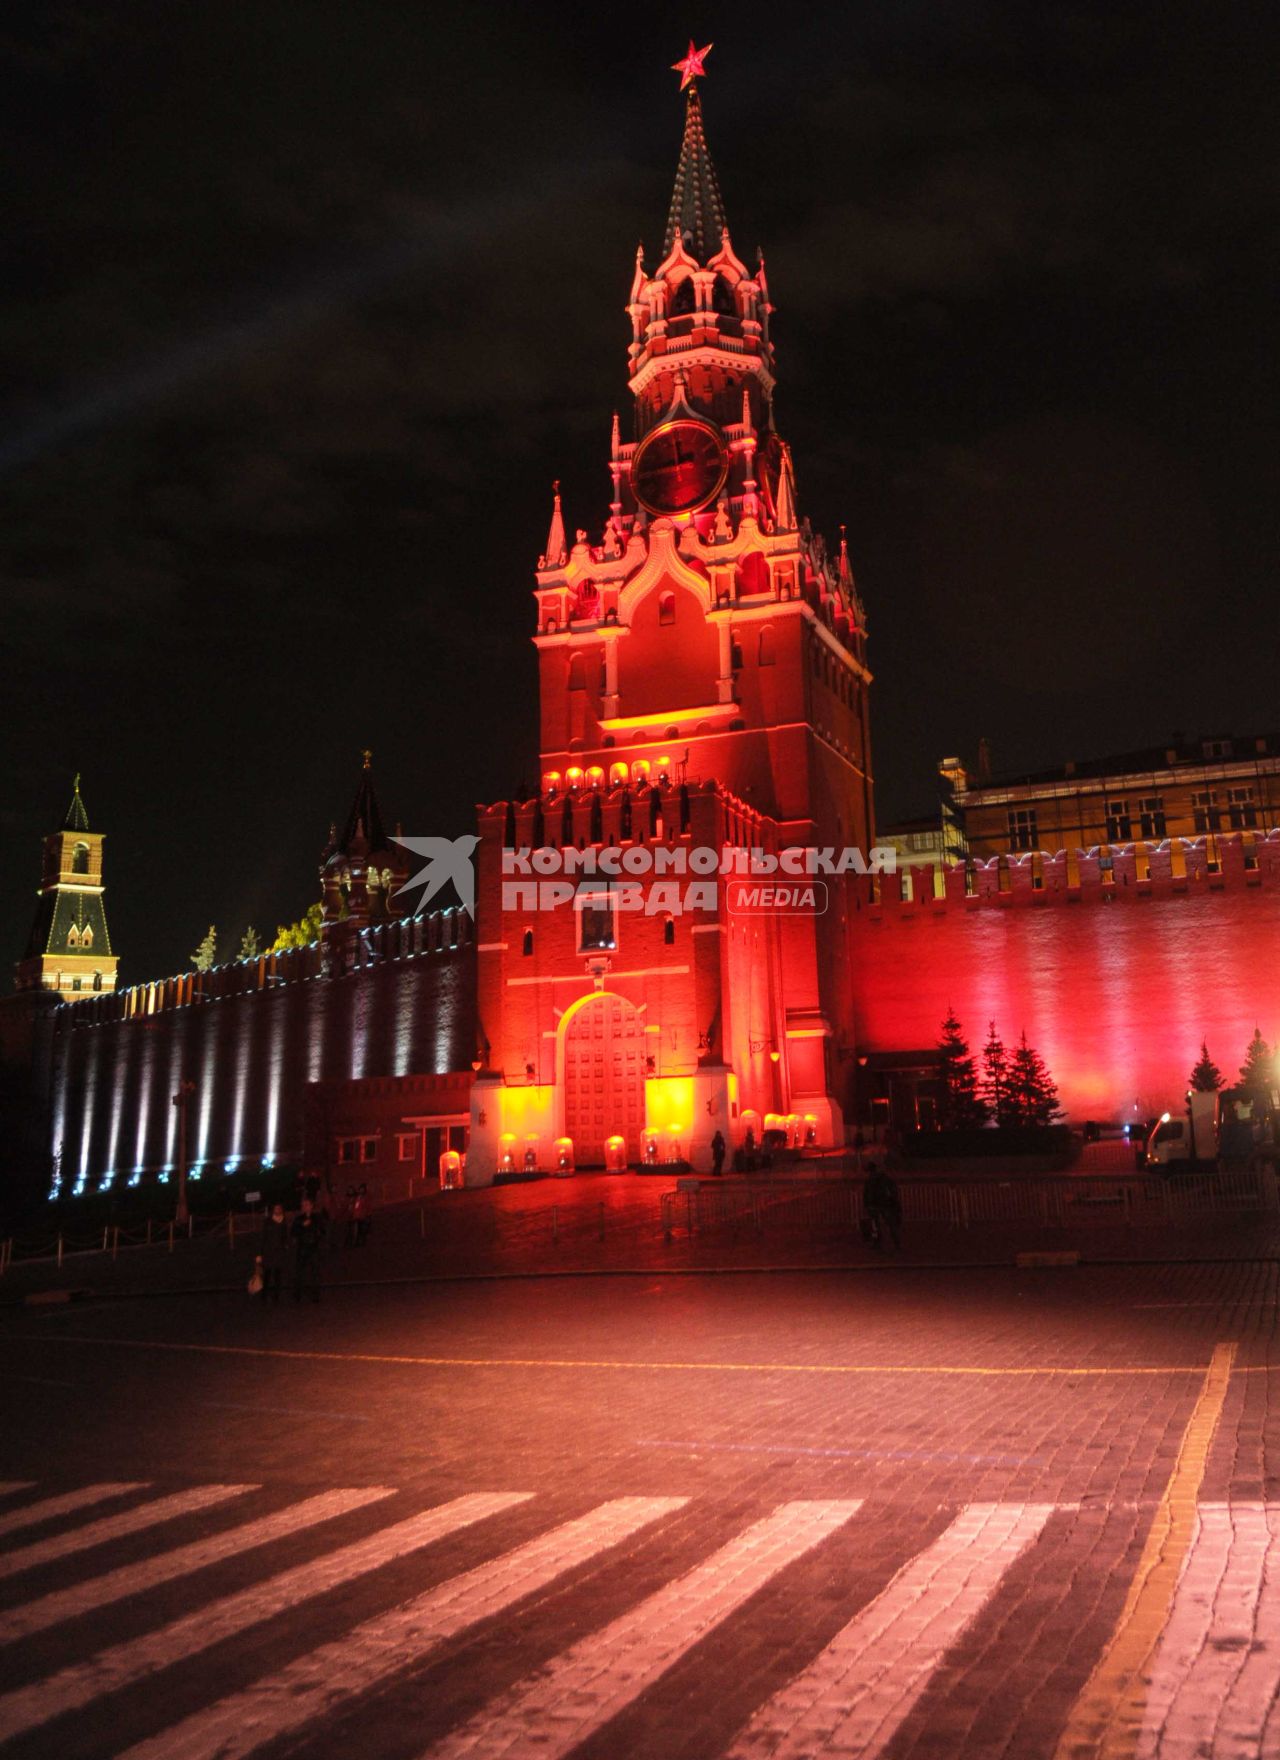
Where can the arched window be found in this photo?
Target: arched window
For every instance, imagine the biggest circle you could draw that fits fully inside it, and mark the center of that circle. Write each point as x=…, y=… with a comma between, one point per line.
x=97, y=980
x=528, y=942
x=669, y=932
x=682, y=300
x=86, y=935
x=577, y=673
x=765, y=656
x=73, y=936
x=80, y=859
x=722, y=299
x=618, y=773
x=667, y=608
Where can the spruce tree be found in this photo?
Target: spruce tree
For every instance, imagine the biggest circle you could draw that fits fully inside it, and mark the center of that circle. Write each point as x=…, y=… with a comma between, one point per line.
x=994, y=1090
x=1258, y=1071
x=207, y=952
x=1206, y=1077
x=1033, y=1093
x=961, y=1108
x=250, y=946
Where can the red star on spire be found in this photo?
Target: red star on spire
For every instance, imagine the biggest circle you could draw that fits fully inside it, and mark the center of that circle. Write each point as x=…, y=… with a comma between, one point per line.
x=691, y=67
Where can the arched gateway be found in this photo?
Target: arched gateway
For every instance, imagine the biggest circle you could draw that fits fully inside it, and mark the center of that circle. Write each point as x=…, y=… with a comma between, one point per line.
x=604, y=1071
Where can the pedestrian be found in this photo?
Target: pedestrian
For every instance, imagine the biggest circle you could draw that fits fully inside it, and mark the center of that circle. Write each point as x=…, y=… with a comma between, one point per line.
x=275, y=1250
x=717, y=1154
x=882, y=1206
x=343, y=1228
x=749, y=1150
x=859, y=1144
x=308, y=1237
x=360, y=1212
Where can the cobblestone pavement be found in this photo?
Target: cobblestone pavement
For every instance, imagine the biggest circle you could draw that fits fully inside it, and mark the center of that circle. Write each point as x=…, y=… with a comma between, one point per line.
x=971, y=1513
x=594, y=1223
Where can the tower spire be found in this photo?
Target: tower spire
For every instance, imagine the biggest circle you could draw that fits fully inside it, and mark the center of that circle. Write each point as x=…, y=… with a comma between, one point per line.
x=77, y=818
x=696, y=216
x=554, y=554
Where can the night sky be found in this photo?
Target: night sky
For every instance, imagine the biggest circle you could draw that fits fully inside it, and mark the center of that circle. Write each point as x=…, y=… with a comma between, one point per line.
x=305, y=305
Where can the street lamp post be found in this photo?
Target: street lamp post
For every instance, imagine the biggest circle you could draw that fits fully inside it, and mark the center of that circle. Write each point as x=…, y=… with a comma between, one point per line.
x=180, y=1099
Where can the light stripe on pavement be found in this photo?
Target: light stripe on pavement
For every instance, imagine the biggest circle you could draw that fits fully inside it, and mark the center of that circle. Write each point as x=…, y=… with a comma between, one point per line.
x=146, y=1515
x=319, y=1682
x=852, y=1698
x=134, y=1579
x=553, y=1710
x=122, y=1664
x=1216, y=1673
x=64, y=1505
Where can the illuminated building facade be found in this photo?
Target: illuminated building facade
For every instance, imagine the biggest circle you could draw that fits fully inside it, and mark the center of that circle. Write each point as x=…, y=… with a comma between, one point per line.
x=703, y=684
x=1187, y=789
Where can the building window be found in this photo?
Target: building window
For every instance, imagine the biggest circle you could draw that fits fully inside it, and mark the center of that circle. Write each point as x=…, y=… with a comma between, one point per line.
x=765, y=656
x=75, y=983
x=1217, y=748
x=73, y=936
x=1119, y=824
x=597, y=930
x=1241, y=809
x=669, y=932
x=1151, y=816
x=80, y=859
x=667, y=608
x=97, y=980
x=528, y=942
x=1204, y=809
x=357, y=1149
x=407, y=1146
x=1022, y=828
x=577, y=673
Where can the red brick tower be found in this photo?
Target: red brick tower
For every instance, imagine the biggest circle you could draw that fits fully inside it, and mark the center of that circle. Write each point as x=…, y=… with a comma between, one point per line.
x=703, y=684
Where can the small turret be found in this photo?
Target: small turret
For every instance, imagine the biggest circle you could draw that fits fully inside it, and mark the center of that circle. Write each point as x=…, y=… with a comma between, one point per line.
x=69, y=948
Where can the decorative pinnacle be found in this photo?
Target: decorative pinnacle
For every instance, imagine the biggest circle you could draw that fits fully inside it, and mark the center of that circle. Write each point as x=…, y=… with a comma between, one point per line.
x=367, y=755
x=691, y=67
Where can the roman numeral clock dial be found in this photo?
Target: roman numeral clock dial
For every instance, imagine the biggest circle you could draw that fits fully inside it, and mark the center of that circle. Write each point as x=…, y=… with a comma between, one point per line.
x=679, y=467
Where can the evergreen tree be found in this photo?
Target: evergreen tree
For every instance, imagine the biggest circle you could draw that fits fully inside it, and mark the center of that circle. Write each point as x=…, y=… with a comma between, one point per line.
x=250, y=946
x=207, y=952
x=994, y=1088
x=1033, y=1094
x=1258, y=1071
x=962, y=1108
x=299, y=934
x=1206, y=1077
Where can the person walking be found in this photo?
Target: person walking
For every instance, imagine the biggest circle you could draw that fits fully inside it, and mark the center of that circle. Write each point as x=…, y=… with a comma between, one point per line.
x=343, y=1228
x=308, y=1237
x=717, y=1154
x=275, y=1250
x=360, y=1214
x=882, y=1206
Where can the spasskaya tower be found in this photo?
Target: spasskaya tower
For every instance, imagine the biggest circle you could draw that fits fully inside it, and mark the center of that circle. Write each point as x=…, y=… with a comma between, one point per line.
x=703, y=684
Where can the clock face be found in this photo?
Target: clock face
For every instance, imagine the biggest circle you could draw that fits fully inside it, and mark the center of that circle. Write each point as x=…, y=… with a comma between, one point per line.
x=679, y=467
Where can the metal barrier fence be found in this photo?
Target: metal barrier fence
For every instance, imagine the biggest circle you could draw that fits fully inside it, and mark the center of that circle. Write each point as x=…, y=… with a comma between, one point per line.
x=1064, y=1201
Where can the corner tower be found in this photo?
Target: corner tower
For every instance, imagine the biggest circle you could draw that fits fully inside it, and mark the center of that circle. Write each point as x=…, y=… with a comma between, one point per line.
x=69, y=948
